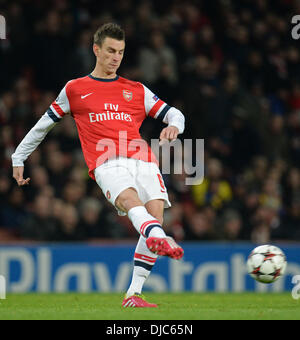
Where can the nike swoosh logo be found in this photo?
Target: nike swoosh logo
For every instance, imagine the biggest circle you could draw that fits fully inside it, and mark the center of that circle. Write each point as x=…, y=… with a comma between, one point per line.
x=82, y=97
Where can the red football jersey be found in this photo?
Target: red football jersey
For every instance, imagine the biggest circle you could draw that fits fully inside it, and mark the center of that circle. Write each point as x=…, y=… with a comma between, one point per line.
x=108, y=114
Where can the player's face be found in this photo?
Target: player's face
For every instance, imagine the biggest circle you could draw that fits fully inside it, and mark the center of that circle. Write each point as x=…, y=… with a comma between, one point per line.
x=110, y=55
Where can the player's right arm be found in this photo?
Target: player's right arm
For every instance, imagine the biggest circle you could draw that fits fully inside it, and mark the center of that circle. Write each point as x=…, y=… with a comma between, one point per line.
x=35, y=136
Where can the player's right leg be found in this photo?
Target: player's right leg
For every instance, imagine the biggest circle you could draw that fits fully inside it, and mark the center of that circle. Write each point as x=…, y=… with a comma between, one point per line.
x=120, y=189
x=143, y=262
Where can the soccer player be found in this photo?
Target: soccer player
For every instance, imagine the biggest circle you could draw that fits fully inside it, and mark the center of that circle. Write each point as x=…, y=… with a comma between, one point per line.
x=108, y=111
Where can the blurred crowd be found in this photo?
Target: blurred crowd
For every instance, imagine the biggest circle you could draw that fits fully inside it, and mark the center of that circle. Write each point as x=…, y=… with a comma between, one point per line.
x=231, y=67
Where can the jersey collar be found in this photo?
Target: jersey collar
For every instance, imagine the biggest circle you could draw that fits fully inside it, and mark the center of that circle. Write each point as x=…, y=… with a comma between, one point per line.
x=104, y=79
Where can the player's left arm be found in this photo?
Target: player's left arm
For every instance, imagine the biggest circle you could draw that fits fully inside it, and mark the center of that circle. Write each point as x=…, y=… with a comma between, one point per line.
x=175, y=120
x=158, y=109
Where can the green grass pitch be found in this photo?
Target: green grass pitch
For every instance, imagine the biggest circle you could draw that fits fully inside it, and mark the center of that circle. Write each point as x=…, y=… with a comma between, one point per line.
x=172, y=306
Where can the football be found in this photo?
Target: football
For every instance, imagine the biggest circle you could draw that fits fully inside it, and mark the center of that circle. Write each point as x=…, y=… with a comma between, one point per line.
x=266, y=263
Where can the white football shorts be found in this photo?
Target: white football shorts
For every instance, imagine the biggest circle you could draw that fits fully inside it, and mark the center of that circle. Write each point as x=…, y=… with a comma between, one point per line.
x=116, y=175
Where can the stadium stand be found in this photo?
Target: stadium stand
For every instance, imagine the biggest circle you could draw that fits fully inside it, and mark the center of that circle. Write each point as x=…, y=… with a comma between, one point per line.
x=232, y=68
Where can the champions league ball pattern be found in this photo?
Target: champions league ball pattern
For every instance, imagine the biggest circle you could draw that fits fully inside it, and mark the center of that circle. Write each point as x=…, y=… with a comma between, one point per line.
x=266, y=263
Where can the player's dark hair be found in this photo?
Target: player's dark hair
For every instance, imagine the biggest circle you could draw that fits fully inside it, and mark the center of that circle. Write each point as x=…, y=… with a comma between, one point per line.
x=109, y=30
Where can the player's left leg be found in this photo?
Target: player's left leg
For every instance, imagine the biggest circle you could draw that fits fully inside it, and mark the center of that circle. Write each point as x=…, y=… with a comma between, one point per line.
x=158, y=245
x=156, y=209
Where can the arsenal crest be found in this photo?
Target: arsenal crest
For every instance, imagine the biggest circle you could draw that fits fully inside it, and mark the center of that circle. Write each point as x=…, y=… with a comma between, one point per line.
x=127, y=95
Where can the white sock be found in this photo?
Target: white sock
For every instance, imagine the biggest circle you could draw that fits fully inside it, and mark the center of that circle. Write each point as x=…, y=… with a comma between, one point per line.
x=139, y=277
x=144, y=223
x=144, y=261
